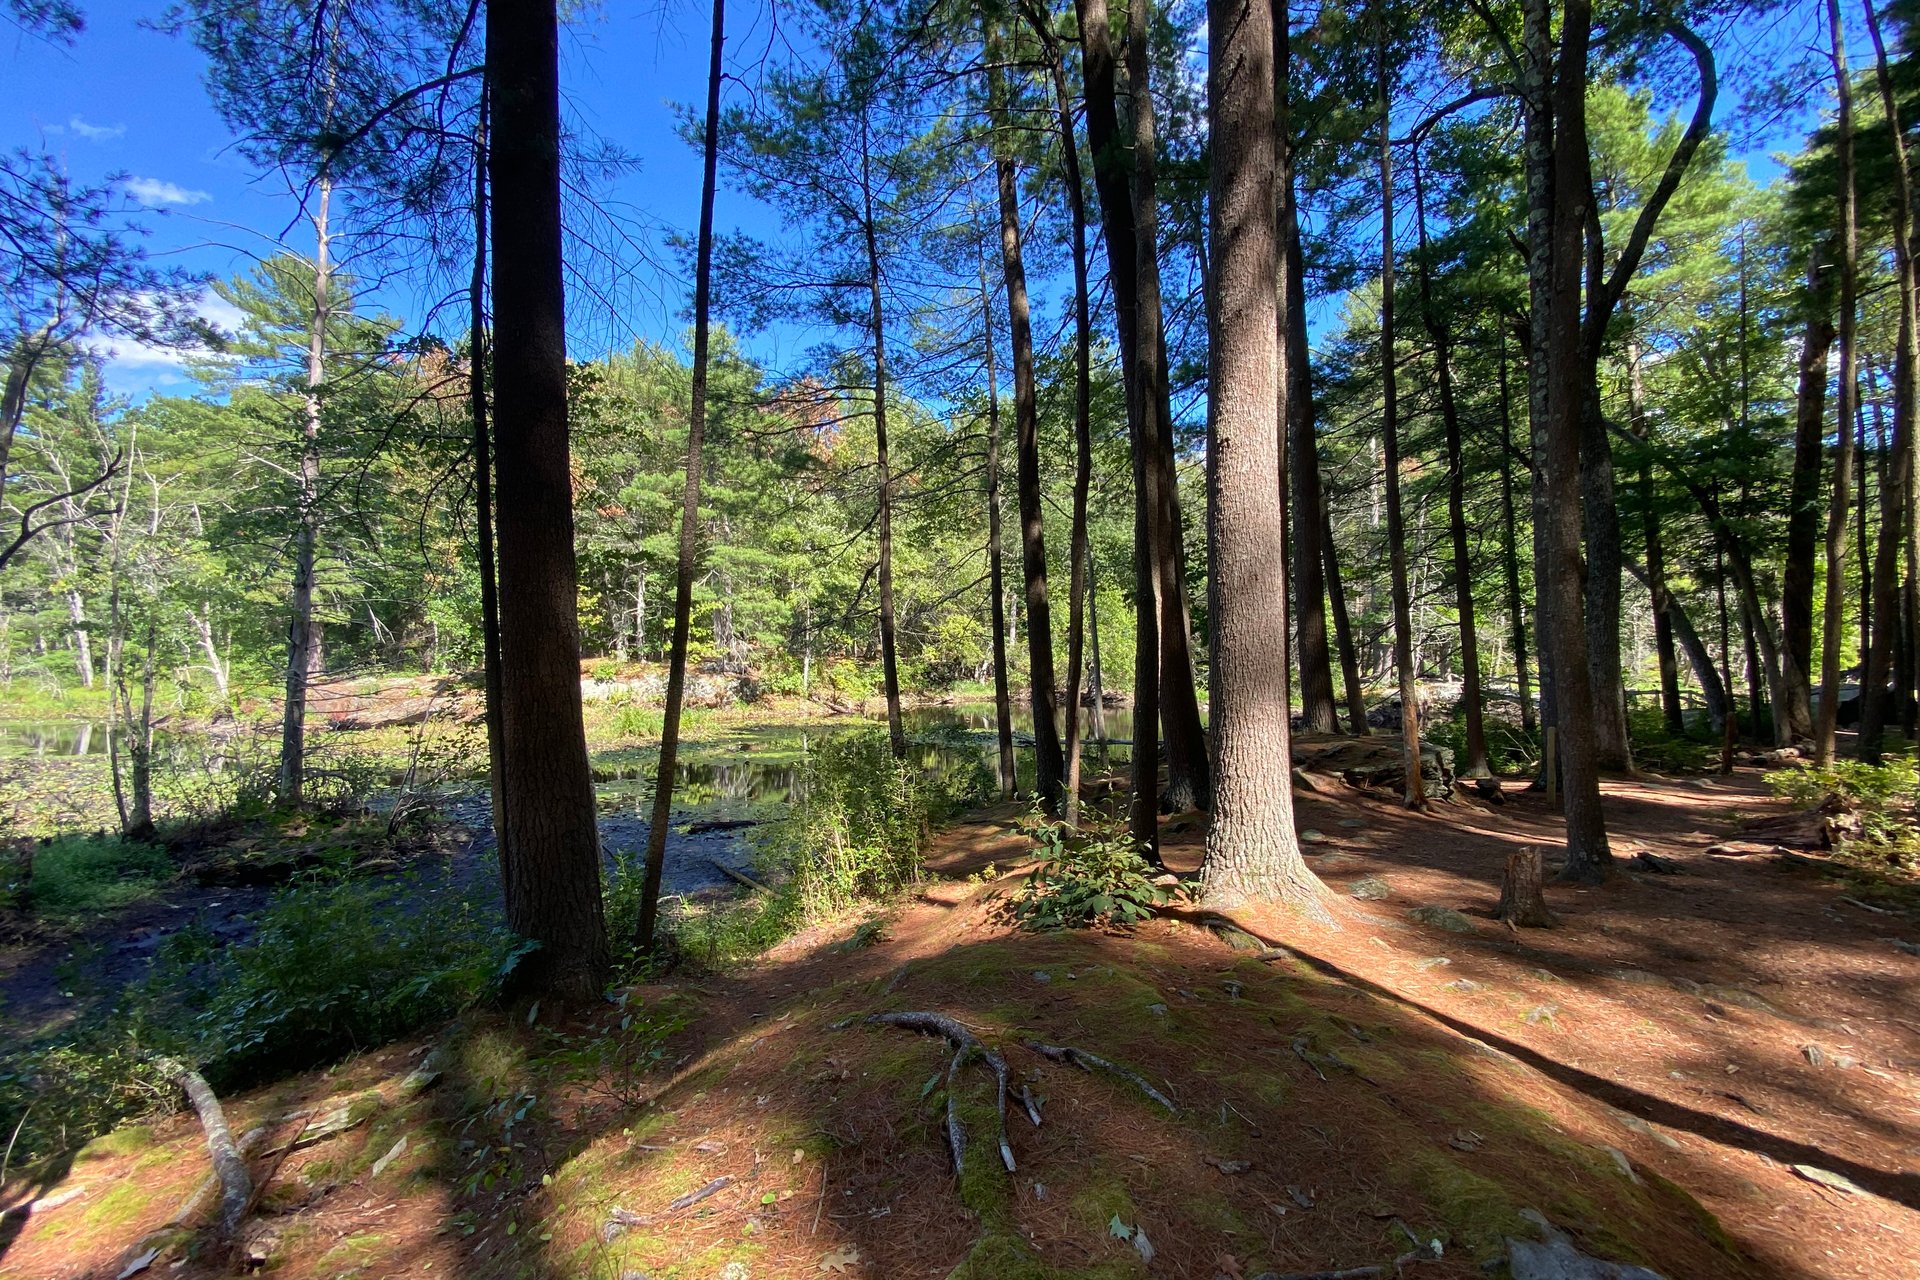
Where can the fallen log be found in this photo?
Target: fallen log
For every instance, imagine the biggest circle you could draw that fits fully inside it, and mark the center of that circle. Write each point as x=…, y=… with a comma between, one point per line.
x=229, y=1162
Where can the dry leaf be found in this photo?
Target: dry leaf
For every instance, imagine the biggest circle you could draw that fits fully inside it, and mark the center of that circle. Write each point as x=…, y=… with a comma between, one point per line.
x=840, y=1259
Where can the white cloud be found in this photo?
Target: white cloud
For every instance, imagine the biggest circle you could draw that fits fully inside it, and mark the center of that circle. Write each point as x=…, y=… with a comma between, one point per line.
x=143, y=365
x=155, y=192
x=96, y=132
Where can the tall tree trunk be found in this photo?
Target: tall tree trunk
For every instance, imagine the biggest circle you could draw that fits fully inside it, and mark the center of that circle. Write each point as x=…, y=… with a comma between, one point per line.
x=1561, y=162
x=552, y=845
x=1416, y=796
x=1656, y=576
x=492, y=671
x=1096, y=681
x=1896, y=492
x=996, y=569
x=1049, y=761
x=1795, y=711
x=1826, y=721
x=1509, y=548
x=1343, y=629
x=877, y=322
x=1111, y=184
x=82, y=644
x=1188, y=785
x=1318, y=711
x=1252, y=850
x=1471, y=704
x=687, y=560
x=1862, y=554
x=1712, y=688
x=1078, y=551
x=301, y=638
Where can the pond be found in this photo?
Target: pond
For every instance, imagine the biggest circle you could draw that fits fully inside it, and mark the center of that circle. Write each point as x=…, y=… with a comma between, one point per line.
x=53, y=738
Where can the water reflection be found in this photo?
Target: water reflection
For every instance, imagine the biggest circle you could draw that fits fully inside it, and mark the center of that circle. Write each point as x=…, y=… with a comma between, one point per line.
x=54, y=738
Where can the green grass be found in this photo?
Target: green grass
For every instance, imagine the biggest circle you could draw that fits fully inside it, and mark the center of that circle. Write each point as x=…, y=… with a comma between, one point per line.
x=81, y=875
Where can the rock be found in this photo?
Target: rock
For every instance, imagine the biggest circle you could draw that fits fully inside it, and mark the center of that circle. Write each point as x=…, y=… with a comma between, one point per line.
x=1489, y=790
x=1432, y=962
x=1739, y=996
x=1901, y=944
x=1371, y=762
x=1443, y=918
x=1466, y=986
x=1620, y=1162
x=1814, y=1054
x=1542, y=1013
x=1310, y=836
x=1353, y=824
x=1634, y=1123
x=1557, y=1259
x=1369, y=889
x=1829, y=1179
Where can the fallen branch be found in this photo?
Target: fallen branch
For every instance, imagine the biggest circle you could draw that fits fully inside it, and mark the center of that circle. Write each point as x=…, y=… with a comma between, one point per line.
x=967, y=1046
x=229, y=1163
x=1091, y=1062
x=739, y=877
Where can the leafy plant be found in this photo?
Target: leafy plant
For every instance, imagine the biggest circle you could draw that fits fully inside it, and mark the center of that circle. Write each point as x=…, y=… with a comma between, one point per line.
x=77, y=875
x=1096, y=875
x=1882, y=797
x=856, y=832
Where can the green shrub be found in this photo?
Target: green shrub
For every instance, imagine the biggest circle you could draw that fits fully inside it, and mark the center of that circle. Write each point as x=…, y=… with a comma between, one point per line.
x=332, y=967
x=76, y=875
x=857, y=827
x=1882, y=796
x=1096, y=875
x=57, y=1097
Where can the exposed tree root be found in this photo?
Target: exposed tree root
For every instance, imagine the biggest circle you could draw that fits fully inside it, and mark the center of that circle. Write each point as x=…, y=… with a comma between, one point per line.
x=1092, y=1062
x=1394, y=1268
x=967, y=1046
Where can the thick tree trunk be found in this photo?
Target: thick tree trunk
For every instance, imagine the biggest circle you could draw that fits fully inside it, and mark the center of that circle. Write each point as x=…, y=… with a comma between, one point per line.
x=1560, y=163
x=1826, y=721
x=1475, y=764
x=686, y=561
x=996, y=568
x=1116, y=211
x=301, y=639
x=1408, y=678
x=1252, y=851
x=552, y=845
x=1795, y=711
x=1509, y=549
x=1896, y=491
x=1188, y=785
x=1049, y=762
x=1318, y=711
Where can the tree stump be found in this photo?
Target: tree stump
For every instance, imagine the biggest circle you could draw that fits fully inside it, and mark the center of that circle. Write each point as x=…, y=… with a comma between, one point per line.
x=1523, y=904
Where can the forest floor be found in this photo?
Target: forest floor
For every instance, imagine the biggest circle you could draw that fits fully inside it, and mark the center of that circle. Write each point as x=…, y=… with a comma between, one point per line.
x=1713, y=1074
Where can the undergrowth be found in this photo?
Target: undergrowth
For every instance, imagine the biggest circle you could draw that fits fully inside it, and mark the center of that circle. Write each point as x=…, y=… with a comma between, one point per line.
x=78, y=875
x=1096, y=875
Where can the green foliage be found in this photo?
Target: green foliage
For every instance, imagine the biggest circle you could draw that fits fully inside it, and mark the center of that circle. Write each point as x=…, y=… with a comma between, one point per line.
x=857, y=830
x=1093, y=876
x=614, y=1055
x=77, y=875
x=1663, y=752
x=1881, y=796
x=332, y=967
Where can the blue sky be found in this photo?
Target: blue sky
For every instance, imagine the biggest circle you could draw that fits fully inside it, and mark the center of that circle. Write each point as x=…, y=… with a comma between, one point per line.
x=128, y=100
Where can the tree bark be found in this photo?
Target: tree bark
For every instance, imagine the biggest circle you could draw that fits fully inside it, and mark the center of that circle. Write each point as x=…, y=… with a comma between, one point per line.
x=478, y=410
x=996, y=570
x=1896, y=492
x=1826, y=722
x=1415, y=797
x=1049, y=762
x=1712, y=688
x=1343, y=629
x=552, y=850
x=1318, y=711
x=301, y=638
x=687, y=560
x=1252, y=851
x=1656, y=575
x=1188, y=783
x=877, y=322
x=1509, y=549
x=1795, y=710
x=1560, y=164
x=1116, y=211
x=1475, y=765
